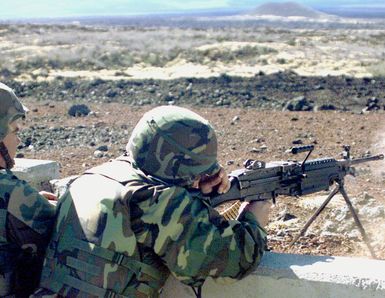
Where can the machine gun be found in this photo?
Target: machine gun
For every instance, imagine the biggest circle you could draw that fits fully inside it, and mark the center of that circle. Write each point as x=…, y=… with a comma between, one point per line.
x=260, y=181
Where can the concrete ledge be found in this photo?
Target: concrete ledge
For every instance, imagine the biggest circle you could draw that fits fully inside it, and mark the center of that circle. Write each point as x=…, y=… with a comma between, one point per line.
x=290, y=275
x=36, y=172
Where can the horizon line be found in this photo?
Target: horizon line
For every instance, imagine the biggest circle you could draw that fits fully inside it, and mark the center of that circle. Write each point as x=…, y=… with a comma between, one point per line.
x=180, y=12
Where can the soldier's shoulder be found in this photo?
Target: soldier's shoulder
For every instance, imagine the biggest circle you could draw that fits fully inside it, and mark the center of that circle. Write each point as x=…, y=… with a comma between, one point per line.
x=25, y=203
x=6, y=174
x=173, y=190
x=8, y=181
x=180, y=195
x=12, y=186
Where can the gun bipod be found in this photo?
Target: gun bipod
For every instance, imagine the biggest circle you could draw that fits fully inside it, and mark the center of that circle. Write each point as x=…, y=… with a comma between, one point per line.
x=338, y=188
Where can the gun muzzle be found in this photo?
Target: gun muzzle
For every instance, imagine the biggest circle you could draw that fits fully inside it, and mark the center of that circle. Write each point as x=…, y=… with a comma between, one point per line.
x=365, y=159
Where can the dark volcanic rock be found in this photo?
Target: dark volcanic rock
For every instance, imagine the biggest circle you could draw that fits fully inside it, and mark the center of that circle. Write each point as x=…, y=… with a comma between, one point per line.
x=261, y=91
x=79, y=110
x=69, y=84
x=300, y=103
x=327, y=107
x=45, y=138
x=103, y=148
x=373, y=103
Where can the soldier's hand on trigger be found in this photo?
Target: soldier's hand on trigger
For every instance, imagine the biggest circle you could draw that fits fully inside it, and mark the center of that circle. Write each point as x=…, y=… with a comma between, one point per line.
x=219, y=182
x=260, y=209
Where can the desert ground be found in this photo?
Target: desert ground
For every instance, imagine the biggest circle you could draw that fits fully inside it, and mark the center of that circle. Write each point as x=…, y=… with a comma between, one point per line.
x=264, y=86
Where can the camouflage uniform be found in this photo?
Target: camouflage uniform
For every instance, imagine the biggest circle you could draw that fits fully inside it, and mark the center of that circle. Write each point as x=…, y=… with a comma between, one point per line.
x=124, y=226
x=26, y=218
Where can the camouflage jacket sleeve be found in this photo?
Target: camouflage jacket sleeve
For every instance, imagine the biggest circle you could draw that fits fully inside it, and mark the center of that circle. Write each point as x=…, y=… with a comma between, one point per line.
x=28, y=227
x=195, y=242
x=30, y=215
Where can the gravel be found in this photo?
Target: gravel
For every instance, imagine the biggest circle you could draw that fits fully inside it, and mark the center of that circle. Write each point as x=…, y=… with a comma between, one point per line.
x=282, y=90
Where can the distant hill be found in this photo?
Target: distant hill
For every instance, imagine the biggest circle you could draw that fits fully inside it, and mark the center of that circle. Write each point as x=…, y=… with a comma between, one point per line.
x=286, y=9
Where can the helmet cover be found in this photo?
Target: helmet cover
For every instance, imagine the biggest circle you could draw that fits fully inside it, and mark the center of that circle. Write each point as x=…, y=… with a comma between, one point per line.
x=174, y=145
x=10, y=109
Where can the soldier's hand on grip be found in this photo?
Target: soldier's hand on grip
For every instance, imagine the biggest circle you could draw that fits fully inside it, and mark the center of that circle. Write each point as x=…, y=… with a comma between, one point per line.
x=260, y=209
x=219, y=182
x=48, y=195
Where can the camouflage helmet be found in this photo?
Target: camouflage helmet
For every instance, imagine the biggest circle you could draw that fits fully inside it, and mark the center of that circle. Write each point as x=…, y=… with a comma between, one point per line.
x=174, y=144
x=10, y=109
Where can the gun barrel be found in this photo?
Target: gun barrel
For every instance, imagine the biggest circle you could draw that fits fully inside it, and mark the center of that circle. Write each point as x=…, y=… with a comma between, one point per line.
x=355, y=161
x=287, y=180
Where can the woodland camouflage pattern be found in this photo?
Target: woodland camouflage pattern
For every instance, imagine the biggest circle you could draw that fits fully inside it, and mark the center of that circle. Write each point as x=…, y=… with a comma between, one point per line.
x=121, y=232
x=26, y=219
x=174, y=144
x=10, y=109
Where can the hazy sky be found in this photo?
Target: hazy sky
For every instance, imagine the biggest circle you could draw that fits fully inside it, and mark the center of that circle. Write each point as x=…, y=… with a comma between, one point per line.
x=51, y=8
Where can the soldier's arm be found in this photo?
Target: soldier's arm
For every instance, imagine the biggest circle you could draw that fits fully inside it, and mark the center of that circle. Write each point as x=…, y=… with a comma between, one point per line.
x=195, y=242
x=28, y=208
x=29, y=223
x=30, y=256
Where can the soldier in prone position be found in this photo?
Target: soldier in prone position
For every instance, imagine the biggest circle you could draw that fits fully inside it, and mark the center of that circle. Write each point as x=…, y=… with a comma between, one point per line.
x=26, y=217
x=124, y=226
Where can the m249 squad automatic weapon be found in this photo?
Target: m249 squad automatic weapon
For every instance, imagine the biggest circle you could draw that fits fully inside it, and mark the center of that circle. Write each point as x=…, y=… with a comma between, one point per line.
x=260, y=181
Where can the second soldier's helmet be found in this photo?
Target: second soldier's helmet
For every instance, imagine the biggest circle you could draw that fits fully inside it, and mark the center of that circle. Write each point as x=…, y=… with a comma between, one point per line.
x=10, y=109
x=174, y=144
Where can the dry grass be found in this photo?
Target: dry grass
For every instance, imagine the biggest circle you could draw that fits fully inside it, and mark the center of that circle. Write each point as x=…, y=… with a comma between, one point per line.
x=26, y=48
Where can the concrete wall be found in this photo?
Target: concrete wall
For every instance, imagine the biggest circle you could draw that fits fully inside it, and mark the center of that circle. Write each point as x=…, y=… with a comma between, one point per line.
x=296, y=276
x=36, y=172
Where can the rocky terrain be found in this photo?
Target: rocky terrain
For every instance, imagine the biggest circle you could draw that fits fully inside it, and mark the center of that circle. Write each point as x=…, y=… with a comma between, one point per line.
x=265, y=88
x=275, y=91
x=79, y=142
